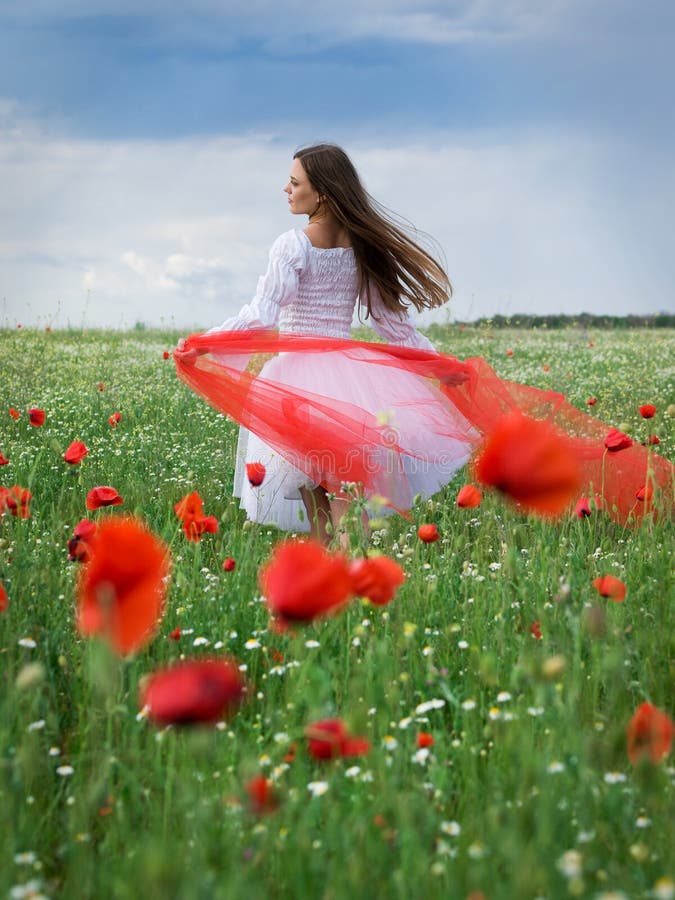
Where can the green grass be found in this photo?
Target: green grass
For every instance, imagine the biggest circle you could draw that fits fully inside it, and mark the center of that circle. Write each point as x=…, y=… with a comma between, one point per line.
x=527, y=791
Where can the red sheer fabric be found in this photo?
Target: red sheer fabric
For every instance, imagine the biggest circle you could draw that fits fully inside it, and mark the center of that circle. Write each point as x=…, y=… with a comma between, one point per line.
x=454, y=403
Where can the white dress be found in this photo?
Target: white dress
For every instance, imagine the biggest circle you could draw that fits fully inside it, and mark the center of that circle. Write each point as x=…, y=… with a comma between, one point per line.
x=314, y=291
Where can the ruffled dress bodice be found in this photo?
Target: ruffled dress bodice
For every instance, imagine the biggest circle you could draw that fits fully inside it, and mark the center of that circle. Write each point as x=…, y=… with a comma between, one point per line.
x=326, y=295
x=311, y=290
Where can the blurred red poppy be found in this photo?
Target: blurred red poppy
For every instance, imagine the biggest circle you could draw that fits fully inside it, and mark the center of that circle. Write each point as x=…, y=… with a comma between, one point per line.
x=166, y=354
x=175, y=634
x=193, y=692
x=591, y=401
x=330, y=739
x=229, y=564
x=103, y=495
x=14, y=413
x=648, y=411
x=75, y=453
x=123, y=585
x=428, y=533
x=190, y=511
x=262, y=795
x=79, y=545
x=255, y=472
x=36, y=417
x=649, y=734
x=3, y=460
x=535, y=630
x=377, y=578
x=424, y=739
x=531, y=462
x=616, y=440
x=302, y=581
x=114, y=419
x=17, y=500
x=611, y=587
x=652, y=440
x=509, y=352
x=4, y=599
x=469, y=497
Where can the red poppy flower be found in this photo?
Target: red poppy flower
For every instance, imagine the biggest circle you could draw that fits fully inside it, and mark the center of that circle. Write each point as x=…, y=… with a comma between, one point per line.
x=100, y=386
x=649, y=734
x=4, y=599
x=255, y=472
x=591, y=401
x=377, y=578
x=14, y=413
x=36, y=417
x=428, y=533
x=509, y=352
x=123, y=585
x=535, y=630
x=17, y=500
x=114, y=419
x=175, y=634
x=611, y=587
x=645, y=494
x=424, y=739
x=103, y=496
x=190, y=510
x=79, y=546
x=262, y=795
x=329, y=739
x=616, y=440
x=532, y=463
x=303, y=581
x=468, y=497
x=3, y=460
x=652, y=440
x=586, y=506
x=166, y=354
x=648, y=411
x=229, y=564
x=193, y=691
x=75, y=453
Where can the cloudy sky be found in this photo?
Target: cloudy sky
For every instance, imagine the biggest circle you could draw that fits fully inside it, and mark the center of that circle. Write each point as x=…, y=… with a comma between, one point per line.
x=143, y=151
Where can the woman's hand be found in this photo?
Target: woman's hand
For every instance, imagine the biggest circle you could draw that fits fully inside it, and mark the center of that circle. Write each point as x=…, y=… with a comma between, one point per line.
x=188, y=357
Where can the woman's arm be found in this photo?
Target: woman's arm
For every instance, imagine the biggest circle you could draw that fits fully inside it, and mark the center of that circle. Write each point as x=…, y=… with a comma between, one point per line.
x=276, y=288
x=397, y=328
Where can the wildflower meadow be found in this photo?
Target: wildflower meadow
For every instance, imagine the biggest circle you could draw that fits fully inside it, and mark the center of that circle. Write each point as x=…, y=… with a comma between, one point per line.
x=474, y=702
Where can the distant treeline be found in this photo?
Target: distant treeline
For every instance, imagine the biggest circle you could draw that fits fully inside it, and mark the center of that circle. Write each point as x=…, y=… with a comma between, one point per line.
x=584, y=320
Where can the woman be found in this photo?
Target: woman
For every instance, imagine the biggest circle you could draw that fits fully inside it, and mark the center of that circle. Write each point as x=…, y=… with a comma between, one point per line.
x=329, y=417
x=350, y=254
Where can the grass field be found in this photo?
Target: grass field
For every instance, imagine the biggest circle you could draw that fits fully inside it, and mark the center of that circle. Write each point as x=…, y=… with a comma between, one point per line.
x=526, y=791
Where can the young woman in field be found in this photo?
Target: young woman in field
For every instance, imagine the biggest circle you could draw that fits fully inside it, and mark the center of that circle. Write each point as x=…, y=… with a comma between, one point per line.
x=328, y=417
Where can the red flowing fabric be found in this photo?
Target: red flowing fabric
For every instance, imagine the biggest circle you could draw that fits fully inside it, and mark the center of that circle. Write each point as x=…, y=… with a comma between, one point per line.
x=300, y=424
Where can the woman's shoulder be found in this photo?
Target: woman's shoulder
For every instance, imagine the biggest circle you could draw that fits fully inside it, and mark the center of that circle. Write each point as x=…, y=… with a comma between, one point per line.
x=290, y=247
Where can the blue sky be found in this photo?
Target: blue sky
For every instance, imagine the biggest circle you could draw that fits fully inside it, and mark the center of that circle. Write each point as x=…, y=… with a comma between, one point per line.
x=142, y=150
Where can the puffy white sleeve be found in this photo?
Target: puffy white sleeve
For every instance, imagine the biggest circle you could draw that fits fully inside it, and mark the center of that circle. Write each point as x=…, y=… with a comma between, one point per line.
x=397, y=328
x=276, y=288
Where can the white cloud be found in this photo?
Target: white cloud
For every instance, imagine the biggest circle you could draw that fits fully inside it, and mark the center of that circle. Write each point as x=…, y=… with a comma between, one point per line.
x=177, y=231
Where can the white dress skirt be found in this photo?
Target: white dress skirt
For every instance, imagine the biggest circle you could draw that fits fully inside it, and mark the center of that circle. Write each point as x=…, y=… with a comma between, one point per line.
x=311, y=291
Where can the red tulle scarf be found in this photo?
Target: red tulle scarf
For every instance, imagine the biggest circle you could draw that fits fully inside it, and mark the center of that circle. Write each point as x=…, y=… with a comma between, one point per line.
x=299, y=423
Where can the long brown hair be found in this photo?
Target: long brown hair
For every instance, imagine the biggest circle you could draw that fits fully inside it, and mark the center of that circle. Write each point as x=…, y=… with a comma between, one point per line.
x=387, y=258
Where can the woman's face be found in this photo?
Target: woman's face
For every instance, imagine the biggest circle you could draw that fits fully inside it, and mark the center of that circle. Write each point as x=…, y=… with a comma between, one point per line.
x=302, y=198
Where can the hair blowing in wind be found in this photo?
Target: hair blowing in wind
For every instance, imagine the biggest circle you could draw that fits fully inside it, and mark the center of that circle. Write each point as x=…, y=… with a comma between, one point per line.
x=387, y=258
